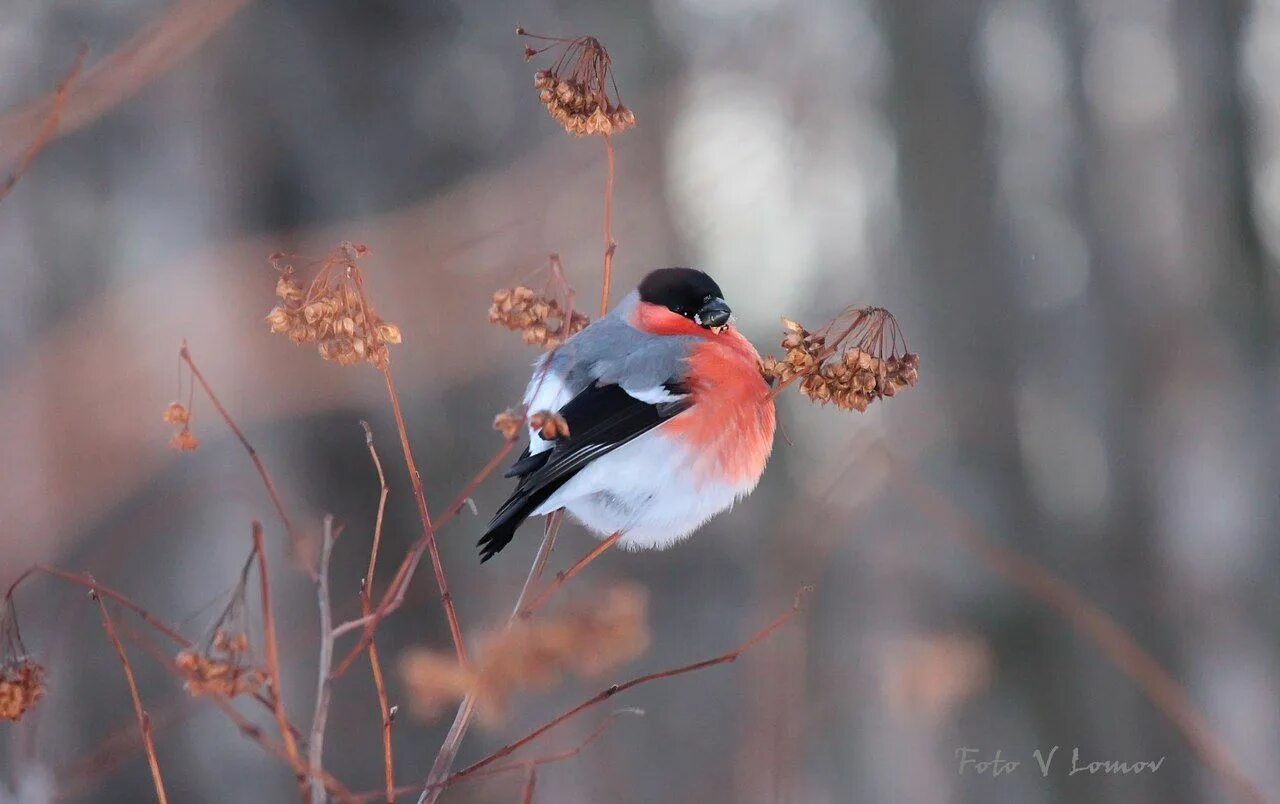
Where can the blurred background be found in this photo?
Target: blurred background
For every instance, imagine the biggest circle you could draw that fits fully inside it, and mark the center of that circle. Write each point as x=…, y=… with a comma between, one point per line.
x=1072, y=206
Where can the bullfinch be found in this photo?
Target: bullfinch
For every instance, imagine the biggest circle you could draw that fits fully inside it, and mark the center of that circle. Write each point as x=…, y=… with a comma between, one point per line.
x=669, y=419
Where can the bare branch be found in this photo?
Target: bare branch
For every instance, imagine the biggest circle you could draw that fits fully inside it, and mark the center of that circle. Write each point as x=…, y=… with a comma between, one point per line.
x=324, y=686
x=50, y=124
x=144, y=721
x=294, y=537
x=273, y=657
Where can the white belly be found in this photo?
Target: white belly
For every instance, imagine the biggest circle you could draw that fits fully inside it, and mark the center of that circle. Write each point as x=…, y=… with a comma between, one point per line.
x=646, y=490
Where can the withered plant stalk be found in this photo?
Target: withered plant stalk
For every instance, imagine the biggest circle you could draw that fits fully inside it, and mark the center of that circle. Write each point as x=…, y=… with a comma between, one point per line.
x=324, y=685
x=563, y=577
x=144, y=720
x=273, y=658
x=609, y=692
x=50, y=124
x=294, y=537
x=366, y=608
x=448, y=752
x=609, y=245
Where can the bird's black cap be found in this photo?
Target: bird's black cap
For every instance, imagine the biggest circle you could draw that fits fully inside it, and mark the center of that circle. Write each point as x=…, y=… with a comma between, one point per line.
x=681, y=290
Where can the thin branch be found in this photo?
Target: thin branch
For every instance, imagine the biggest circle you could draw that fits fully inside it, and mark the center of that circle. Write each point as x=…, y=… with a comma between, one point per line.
x=294, y=536
x=428, y=530
x=246, y=726
x=448, y=752
x=395, y=594
x=562, y=577
x=609, y=245
x=144, y=720
x=559, y=756
x=50, y=124
x=523, y=764
x=180, y=31
x=273, y=657
x=529, y=783
x=324, y=686
x=249, y=729
x=87, y=581
x=366, y=607
x=1091, y=622
x=609, y=692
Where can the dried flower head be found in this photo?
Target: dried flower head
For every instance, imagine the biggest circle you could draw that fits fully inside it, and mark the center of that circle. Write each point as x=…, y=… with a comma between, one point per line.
x=539, y=318
x=224, y=664
x=549, y=424
x=576, y=88
x=177, y=414
x=21, y=686
x=21, y=679
x=587, y=639
x=874, y=365
x=509, y=422
x=224, y=667
x=332, y=310
x=184, y=440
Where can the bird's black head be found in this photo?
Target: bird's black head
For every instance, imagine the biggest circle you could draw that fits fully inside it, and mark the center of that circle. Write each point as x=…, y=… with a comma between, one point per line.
x=687, y=292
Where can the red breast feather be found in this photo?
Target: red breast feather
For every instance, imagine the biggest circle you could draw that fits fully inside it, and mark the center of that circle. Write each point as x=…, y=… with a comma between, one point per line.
x=730, y=426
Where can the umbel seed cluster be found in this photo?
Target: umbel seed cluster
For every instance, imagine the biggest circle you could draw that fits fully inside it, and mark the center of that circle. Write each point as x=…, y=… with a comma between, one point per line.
x=225, y=668
x=332, y=312
x=576, y=88
x=540, y=320
x=872, y=368
x=21, y=685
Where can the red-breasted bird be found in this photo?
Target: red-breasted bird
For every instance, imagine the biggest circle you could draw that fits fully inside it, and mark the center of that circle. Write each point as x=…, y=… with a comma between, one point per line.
x=670, y=421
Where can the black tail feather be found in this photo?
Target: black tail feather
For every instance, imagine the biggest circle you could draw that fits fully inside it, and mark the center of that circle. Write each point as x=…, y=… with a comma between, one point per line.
x=512, y=514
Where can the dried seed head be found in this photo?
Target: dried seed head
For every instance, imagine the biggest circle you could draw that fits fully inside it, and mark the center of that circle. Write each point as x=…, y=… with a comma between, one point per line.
x=509, y=422
x=549, y=424
x=177, y=414
x=223, y=668
x=578, y=89
x=223, y=664
x=332, y=312
x=539, y=319
x=184, y=440
x=21, y=679
x=875, y=365
x=21, y=686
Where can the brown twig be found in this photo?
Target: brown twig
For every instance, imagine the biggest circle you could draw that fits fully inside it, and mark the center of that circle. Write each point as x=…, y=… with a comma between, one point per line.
x=249, y=729
x=1091, y=622
x=559, y=756
x=180, y=31
x=428, y=529
x=324, y=685
x=50, y=124
x=144, y=720
x=562, y=577
x=448, y=752
x=393, y=598
x=530, y=782
x=609, y=692
x=246, y=727
x=294, y=536
x=273, y=657
x=609, y=245
x=87, y=581
x=366, y=607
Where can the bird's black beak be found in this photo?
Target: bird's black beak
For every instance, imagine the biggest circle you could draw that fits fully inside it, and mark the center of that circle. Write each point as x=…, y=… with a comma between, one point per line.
x=715, y=314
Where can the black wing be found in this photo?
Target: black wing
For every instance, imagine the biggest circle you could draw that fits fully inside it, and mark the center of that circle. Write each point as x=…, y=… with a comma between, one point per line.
x=601, y=419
